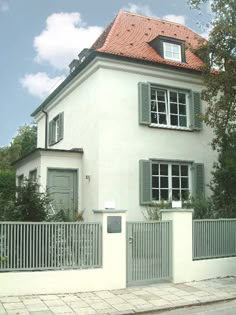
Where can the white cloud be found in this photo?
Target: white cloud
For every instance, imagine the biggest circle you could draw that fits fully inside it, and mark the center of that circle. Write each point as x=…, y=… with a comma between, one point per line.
x=4, y=6
x=63, y=38
x=139, y=9
x=174, y=18
x=40, y=84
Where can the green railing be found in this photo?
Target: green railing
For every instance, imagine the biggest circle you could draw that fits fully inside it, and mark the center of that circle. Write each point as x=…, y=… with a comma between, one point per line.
x=149, y=251
x=214, y=238
x=50, y=246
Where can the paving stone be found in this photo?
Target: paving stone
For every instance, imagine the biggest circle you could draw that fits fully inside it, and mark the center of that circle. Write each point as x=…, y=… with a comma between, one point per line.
x=105, y=294
x=41, y=313
x=18, y=312
x=14, y=306
x=49, y=297
x=127, y=296
x=37, y=307
x=100, y=306
x=31, y=301
x=137, y=301
x=86, y=311
x=159, y=302
x=70, y=298
x=60, y=309
x=123, y=307
x=9, y=299
x=78, y=304
x=55, y=303
x=115, y=300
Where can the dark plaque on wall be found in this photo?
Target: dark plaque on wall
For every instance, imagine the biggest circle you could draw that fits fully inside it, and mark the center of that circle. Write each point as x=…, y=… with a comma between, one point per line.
x=114, y=224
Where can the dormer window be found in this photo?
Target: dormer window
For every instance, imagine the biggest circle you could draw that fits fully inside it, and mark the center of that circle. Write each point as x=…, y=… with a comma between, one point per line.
x=172, y=51
x=169, y=48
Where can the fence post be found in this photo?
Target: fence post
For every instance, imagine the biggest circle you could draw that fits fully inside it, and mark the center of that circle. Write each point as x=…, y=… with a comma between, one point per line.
x=182, y=242
x=113, y=246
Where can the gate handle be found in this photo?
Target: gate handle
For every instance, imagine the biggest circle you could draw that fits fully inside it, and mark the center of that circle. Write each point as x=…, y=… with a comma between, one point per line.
x=131, y=239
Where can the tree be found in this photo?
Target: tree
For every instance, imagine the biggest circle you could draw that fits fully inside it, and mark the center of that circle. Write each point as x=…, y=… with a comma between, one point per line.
x=220, y=94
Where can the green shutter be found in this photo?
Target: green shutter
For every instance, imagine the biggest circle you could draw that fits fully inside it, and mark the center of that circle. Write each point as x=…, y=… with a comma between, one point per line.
x=198, y=179
x=61, y=126
x=50, y=135
x=196, y=109
x=145, y=181
x=144, y=90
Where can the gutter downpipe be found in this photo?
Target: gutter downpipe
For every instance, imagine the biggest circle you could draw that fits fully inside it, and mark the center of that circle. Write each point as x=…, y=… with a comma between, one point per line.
x=46, y=128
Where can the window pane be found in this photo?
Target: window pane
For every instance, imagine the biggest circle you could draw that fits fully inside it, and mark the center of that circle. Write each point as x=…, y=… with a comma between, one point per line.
x=155, y=182
x=175, y=182
x=182, y=121
x=155, y=194
x=184, y=170
x=164, y=182
x=161, y=96
x=185, y=194
x=162, y=119
x=168, y=54
x=161, y=107
x=155, y=169
x=164, y=194
x=173, y=108
x=182, y=98
x=174, y=120
x=175, y=194
x=176, y=56
x=173, y=97
x=184, y=182
x=175, y=170
x=163, y=169
x=153, y=106
x=153, y=94
x=182, y=109
x=175, y=49
x=154, y=118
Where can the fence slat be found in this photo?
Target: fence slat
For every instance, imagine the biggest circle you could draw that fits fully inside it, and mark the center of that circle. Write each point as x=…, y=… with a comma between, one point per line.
x=214, y=238
x=47, y=246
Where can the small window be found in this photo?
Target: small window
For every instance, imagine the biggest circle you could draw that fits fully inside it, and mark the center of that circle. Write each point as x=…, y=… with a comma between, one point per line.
x=172, y=51
x=33, y=176
x=56, y=129
x=20, y=180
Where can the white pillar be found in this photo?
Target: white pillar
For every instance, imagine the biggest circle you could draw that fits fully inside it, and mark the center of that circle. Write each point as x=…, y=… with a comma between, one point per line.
x=114, y=247
x=182, y=242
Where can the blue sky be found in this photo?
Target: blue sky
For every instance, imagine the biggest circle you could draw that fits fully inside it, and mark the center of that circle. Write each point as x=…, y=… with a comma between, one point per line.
x=39, y=38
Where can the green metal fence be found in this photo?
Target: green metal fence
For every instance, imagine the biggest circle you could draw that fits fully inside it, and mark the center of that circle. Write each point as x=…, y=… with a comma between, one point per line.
x=50, y=246
x=149, y=251
x=214, y=238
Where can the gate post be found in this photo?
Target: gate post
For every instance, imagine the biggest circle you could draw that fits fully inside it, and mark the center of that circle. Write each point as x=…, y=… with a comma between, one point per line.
x=113, y=247
x=182, y=242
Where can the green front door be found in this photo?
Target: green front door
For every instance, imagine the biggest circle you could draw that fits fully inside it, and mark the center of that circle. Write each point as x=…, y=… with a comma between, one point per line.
x=63, y=190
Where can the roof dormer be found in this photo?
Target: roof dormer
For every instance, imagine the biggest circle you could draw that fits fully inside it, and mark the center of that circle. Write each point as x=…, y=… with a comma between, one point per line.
x=169, y=48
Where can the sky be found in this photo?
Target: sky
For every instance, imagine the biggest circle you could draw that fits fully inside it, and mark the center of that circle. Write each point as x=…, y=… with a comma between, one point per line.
x=39, y=38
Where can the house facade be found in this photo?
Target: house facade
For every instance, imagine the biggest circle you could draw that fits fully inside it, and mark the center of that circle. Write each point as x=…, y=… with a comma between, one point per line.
x=123, y=129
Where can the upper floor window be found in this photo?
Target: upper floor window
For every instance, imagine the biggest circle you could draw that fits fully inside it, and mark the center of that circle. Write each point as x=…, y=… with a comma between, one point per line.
x=172, y=51
x=56, y=129
x=169, y=107
x=33, y=175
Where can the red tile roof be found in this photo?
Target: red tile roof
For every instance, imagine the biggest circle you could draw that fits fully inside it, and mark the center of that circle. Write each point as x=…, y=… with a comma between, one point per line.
x=129, y=34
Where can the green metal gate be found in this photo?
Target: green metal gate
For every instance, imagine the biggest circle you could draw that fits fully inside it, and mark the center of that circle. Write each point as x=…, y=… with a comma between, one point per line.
x=149, y=251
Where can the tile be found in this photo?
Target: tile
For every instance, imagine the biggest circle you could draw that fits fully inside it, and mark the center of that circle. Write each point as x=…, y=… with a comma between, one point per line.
x=48, y=297
x=37, y=307
x=100, y=306
x=78, y=304
x=137, y=301
x=9, y=299
x=18, y=312
x=105, y=294
x=60, y=309
x=31, y=301
x=159, y=302
x=86, y=311
x=55, y=303
x=41, y=313
x=14, y=306
x=123, y=307
x=114, y=300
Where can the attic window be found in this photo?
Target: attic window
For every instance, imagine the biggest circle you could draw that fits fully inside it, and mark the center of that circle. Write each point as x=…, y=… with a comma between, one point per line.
x=169, y=48
x=172, y=51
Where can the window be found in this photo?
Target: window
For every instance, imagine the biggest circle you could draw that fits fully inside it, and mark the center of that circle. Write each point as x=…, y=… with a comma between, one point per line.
x=172, y=51
x=162, y=106
x=56, y=129
x=33, y=176
x=168, y=107
x=20, y=180
x=170, y=180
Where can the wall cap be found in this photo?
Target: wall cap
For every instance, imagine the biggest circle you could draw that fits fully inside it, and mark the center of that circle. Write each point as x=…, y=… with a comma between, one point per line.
x=177, y=210
x=110, y=211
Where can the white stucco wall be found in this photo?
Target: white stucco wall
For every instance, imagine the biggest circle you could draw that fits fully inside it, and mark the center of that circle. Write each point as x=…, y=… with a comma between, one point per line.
x=101, y=116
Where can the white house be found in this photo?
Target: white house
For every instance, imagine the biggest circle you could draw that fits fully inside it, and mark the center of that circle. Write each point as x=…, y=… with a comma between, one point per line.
x=122, y=129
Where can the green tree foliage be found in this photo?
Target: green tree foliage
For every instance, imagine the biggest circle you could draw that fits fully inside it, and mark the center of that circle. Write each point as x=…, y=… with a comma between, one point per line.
x=24, y=142
x=220, y=95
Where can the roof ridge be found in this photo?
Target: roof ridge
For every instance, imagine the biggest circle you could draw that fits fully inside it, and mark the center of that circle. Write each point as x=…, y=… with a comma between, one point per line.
x=111, y=31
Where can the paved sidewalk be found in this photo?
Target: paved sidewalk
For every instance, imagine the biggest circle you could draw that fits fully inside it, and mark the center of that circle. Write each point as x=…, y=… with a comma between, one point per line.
x=128, y=301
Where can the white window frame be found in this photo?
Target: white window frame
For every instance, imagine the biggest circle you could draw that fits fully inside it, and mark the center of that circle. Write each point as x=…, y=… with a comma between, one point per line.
x=170, y=176
x=167, y=45
x=168, y=109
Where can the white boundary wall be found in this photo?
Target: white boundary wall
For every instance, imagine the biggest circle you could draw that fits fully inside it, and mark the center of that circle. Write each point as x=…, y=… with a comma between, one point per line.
x=111, y=276
x=184, y=268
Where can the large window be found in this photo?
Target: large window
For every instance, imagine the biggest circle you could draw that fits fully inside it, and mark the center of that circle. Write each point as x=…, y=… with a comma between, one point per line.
x=172, y=51
x=169, y=107
x=56, y=129
x=170, y=181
